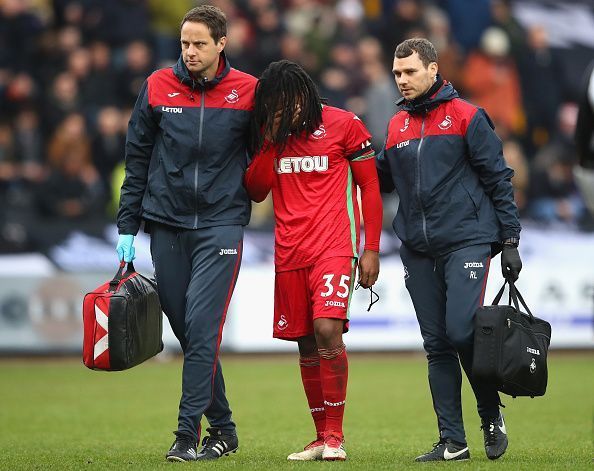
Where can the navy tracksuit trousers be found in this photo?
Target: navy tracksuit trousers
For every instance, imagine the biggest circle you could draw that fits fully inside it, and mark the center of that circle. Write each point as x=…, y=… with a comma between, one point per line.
x=196, y=272
x=446, y=292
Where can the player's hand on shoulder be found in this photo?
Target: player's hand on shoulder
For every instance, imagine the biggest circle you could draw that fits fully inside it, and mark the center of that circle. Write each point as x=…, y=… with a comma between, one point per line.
x=368, y=268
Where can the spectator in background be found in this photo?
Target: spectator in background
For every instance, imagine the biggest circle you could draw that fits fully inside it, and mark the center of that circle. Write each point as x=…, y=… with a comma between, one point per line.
x=21, y=166
x=584, y=129
x=70, y=136
x=501, y=11
x=344, y=55
x=137, y=68
x=63, y=98
x=349, y=16
x=316, y=24
x=334, y=86
x=55, y=47
x=241, y=46
x=450, y=55
x=19, y=33
x=68, y=12
x=379, y=93
x=515, y=158
x=79, y=65
x=101, y=87
x=553, y=194
x=269, y=28
x=20, y=91
x=121, y=22
x=108, y=145
x=491, y=79
x=543, y=82
x=405, y=20
x=28, y=145
x=584, y=138
x=7, y=160
x=469, y=19
x=73, y=189
x=165, y=15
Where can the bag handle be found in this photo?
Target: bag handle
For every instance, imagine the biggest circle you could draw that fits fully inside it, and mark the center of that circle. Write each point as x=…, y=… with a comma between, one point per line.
x=516, y=292
x=113, y=284
x=514, y=295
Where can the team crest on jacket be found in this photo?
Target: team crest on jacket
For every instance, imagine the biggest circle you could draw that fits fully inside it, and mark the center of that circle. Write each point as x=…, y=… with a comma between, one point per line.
x=446, y=123
x=319, y=133
x=233, y=97
x=406, y=121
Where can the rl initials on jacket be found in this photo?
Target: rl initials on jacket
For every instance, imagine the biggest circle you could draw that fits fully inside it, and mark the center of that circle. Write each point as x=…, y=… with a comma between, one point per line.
x=443, y=162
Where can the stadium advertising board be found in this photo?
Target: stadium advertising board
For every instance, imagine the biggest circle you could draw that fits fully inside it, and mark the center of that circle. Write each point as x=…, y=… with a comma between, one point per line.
x=40, y=305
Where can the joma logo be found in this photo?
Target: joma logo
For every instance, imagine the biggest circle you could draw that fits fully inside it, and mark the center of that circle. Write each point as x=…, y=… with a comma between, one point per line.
x=473, y=265
x=534, y=351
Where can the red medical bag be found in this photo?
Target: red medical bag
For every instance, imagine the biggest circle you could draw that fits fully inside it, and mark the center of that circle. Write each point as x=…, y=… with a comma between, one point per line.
x=123, y=322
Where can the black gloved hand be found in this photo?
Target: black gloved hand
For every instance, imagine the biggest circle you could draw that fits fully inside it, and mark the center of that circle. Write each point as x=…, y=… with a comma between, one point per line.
x=511, y=264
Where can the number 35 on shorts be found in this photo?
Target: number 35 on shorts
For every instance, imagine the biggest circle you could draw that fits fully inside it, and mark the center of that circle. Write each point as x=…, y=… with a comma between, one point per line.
x=342, y=287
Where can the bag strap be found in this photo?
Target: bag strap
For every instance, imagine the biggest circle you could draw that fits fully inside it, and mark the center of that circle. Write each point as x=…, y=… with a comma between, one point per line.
x=500, y=294
x=514, y=296
x=113, y=284
x=516, y=293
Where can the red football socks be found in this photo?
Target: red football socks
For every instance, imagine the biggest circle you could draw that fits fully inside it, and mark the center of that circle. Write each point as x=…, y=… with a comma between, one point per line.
x=334, y=372
x=312, y=384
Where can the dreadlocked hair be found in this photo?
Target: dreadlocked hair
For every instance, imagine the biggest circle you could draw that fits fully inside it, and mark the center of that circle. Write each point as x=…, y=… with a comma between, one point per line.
x=284, y=86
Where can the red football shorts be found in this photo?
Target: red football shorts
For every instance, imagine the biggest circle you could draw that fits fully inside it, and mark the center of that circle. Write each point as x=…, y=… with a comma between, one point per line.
x=322, y=290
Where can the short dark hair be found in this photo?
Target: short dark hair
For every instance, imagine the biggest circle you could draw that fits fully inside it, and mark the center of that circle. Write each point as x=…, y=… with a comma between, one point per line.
x=213, y=17
x=423, y=47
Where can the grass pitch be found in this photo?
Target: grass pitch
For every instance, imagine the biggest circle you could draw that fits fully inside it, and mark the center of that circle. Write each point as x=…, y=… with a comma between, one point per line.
x=59, y=415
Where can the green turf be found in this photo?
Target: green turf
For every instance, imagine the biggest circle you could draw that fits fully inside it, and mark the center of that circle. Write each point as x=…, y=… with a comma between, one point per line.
x=59, y=415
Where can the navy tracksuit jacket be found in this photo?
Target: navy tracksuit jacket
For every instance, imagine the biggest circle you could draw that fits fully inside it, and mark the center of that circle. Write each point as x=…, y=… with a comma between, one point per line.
x=185, y=159
x=445, y=161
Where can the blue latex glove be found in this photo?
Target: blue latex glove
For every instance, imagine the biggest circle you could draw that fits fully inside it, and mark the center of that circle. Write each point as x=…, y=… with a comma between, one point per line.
x=125, y=248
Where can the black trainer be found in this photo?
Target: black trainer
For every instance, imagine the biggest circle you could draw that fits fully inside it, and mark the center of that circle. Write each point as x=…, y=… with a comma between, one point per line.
x=183, y=449
x=217, y=444
x=495, y=437
x=446, y=450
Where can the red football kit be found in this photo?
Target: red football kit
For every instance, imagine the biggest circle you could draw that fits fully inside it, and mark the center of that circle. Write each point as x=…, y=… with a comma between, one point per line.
x=313, y=183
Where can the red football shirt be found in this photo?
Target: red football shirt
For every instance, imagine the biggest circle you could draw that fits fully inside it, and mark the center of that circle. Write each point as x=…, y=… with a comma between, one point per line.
x=315, y=197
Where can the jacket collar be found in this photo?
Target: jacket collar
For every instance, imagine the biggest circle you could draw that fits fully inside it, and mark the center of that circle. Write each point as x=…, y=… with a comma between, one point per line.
x=439, y=93
x=183, y=74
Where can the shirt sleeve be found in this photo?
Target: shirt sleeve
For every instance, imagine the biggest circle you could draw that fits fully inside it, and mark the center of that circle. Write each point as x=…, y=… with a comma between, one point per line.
x=357, y=140
x=365, y=177
x=140, y=141
x=259, y=176
x=486, y=158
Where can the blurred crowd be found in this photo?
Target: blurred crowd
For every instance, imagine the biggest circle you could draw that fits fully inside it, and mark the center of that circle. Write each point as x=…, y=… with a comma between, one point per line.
x=70, y=71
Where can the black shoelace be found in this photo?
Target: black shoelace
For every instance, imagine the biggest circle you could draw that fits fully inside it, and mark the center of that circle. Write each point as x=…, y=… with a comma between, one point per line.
x=184, y=442
x=490, y=434
x=210, y=441
x=371, y=295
